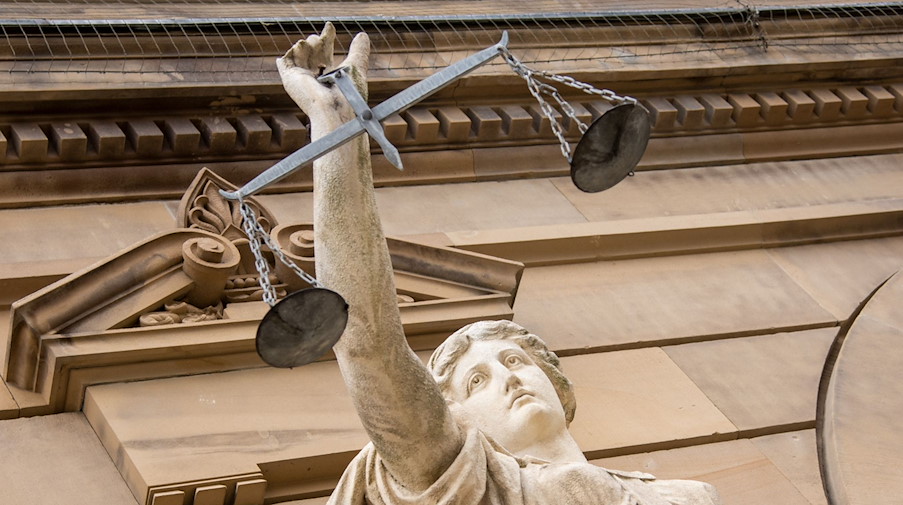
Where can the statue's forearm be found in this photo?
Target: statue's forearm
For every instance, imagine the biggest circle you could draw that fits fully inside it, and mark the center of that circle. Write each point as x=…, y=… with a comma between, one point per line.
x=397, y=400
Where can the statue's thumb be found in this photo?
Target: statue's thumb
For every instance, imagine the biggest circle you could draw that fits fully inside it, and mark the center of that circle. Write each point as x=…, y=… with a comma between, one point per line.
x=359, y=53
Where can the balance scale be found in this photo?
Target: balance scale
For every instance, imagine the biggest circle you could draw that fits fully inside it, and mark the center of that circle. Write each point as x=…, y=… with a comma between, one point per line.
x=304, y=325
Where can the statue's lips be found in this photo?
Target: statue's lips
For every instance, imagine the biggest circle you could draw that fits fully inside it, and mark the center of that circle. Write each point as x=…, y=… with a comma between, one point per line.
x=521, y=393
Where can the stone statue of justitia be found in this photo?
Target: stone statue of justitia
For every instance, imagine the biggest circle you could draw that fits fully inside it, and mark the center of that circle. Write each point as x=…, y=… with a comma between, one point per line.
x=487, y=421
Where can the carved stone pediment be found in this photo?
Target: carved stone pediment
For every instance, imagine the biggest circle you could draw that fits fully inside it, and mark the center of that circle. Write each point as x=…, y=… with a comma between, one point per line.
x=189, y=265
x=124, y=317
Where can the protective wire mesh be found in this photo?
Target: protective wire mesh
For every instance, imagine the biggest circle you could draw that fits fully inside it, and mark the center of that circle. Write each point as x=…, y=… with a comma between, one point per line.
x=236, y=40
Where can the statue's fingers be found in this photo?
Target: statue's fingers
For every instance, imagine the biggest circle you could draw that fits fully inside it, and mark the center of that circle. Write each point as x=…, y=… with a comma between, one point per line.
x=295, y=77
x=288, y=68
x=314, y=53
x=297, y=56
x=359, y=54
x=328, y=35
x=358, y=60
x=322, y=47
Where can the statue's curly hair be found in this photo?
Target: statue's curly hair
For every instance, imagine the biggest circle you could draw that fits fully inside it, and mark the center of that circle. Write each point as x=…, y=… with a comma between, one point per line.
x=445, y=357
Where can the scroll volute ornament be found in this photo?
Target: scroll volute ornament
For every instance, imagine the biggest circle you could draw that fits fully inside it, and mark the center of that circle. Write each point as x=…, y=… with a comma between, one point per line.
x=209, y=263
x=296, y=242
x=203, y=208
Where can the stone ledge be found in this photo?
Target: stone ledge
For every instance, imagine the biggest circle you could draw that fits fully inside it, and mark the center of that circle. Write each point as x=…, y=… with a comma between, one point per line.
x=687, y=234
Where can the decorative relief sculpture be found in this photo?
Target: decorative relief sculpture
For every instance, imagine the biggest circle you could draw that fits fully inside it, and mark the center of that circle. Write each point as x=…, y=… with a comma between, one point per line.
x=181, y=312
x=203, y=208
x=493, y=429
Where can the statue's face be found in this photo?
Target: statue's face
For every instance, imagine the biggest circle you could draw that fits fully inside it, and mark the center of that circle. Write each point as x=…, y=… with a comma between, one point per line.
x=506, y=395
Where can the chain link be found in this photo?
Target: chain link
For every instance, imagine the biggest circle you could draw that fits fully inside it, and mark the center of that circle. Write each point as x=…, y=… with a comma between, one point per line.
x=256, y=233
x=538, y=88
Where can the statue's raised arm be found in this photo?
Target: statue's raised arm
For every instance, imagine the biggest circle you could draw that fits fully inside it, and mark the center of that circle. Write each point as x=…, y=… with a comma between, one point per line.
x=396, y=398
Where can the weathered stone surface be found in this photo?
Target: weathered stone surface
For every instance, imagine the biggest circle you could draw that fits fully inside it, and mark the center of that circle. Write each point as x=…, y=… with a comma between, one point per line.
x=216, y=425
x=807, y=143
x=516, y=122
x=801, y=106
x=182, y=135
x=794, y=453
x=454, y=124
x=309, y=501
x=740, y=472
x=486, y=123
x=68, y=139
x=218, y=134
x=430, y=209
x=9, y=409
x=656, y=300
x=684, y=234
x=774, y=107
x=717, y=110
x=749, y=187
x=210, y=495
x=494, y=163
x=663, y=113
x=253, y=132
x=145, y=137
x=881, y=101
x=746, y=109
x=690, y=113
x=840, y=275
x=107, y=138
x=759, y=382
x=827, y=104
x=427, y=167
x=29, y=141
x=85, y=232
x=57, y=459
x=638, y=400
x=422, y=125
x=690, y=152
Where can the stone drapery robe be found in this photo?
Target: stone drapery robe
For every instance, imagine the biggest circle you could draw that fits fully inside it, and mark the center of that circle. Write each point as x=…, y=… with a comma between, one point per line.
x=485, y=474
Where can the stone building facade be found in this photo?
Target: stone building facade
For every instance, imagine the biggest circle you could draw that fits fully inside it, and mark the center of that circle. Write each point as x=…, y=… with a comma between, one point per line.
x=693, y=305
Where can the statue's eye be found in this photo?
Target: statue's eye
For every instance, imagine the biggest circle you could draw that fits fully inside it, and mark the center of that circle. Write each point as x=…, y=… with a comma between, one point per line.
x=513, y=359
x=476, y=380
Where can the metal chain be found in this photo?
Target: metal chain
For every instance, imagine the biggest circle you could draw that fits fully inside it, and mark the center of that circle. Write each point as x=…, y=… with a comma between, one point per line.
x=606, y=94
x=256, y=233
x=277, y=251
x=538, y=88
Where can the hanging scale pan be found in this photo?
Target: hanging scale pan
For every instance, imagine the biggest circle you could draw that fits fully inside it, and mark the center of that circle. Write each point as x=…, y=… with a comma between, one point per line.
x=301, y=327
x=611, y=148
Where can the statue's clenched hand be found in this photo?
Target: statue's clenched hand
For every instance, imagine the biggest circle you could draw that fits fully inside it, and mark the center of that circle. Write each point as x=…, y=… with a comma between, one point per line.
x=308, y=59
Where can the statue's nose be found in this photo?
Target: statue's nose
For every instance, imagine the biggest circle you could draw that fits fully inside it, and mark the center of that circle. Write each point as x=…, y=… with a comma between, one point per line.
x=512, y=382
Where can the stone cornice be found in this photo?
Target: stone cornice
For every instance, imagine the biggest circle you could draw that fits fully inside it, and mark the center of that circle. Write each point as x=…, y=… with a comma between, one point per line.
x=79, y=159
